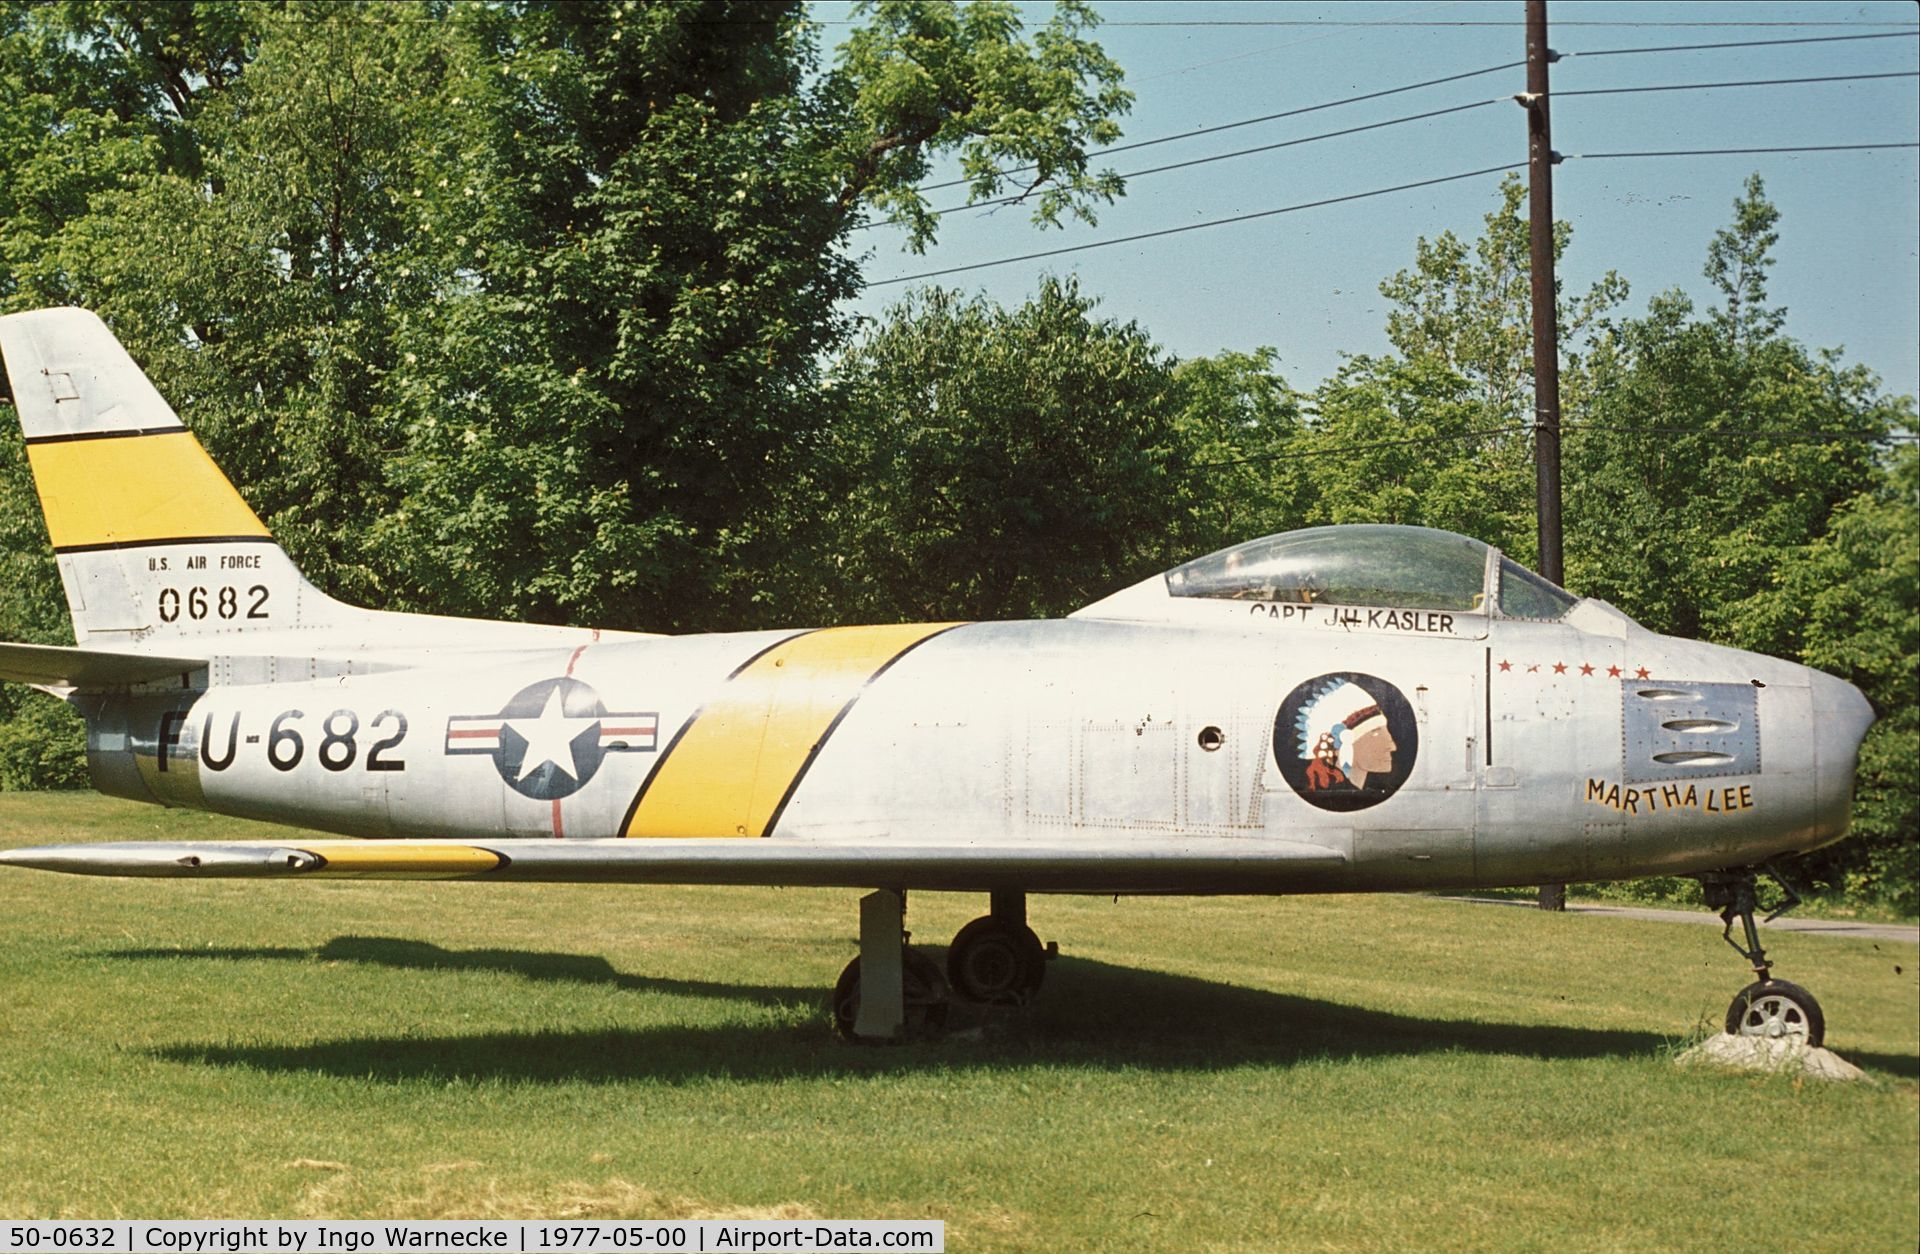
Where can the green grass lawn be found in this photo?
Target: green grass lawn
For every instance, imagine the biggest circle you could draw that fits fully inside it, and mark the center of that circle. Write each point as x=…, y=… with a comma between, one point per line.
x=1214, y=1073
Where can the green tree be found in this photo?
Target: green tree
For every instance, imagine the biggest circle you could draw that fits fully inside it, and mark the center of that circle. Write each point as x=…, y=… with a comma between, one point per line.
x=1738, y=260
x=1237, y=421
x=1709, y=449
x=42, y=741
x=1002, y=463
x=511, y=308
x=1437, y=433
x=1849, y=603
x=503, y=308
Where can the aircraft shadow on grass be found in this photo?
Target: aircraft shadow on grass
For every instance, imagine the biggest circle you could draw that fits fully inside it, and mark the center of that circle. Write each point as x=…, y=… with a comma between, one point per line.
x=557, y=968
x=1091, y=1014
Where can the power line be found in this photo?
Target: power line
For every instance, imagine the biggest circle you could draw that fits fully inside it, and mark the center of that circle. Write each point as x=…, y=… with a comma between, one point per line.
x=1225, y=156
x=1736, y=152
x=1392, y=22
x=1738, y=43
x=1412, y=117
x=1291, y=453
x=1270, y=117
x=1199, y=226
x=1333, y=33
x=1750, y=82
x=1381, y=191
x=1722, y=434
x=1435, y=82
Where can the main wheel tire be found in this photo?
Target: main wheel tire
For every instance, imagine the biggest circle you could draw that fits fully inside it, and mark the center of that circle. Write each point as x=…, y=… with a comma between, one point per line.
x=1776, y=1009
x=996, y=963
x=925, y=996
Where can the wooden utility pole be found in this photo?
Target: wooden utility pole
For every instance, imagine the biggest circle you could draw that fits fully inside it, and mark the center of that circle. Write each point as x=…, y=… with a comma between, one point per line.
x=1546, y=323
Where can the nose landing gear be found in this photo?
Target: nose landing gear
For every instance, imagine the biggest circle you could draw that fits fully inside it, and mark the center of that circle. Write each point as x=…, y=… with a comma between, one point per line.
x=1767, y=1007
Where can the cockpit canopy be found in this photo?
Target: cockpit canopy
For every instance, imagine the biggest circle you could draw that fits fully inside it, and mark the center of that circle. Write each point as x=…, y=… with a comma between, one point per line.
x=1415, y=568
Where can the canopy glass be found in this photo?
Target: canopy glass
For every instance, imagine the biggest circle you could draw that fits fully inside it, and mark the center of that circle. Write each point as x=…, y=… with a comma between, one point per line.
x=1374, y=565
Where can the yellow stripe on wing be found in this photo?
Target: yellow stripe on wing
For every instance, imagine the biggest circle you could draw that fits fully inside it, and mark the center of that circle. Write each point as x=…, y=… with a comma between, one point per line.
x=738, y=760
x=135, y=489
x=392, y=859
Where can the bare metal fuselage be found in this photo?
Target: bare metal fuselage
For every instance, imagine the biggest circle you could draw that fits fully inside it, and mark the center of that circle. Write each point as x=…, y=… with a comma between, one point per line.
x=1103, y=735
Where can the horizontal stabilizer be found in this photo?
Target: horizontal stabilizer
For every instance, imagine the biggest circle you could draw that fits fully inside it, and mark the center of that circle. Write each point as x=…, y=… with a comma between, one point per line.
x=1157, y=866
x=60, y=666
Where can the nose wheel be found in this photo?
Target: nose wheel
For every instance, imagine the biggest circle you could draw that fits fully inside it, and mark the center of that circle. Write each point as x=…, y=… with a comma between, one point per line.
x=1767, y=1007
x=1777, y=1010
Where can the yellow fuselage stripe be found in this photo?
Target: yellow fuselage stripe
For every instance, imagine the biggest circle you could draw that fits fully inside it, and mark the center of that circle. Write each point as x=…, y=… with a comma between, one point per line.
x=134, y=489
x=737, y=761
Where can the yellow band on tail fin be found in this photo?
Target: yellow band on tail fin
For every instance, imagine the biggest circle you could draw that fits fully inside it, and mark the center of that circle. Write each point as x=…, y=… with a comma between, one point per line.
x=115, y=490
x=155, y=544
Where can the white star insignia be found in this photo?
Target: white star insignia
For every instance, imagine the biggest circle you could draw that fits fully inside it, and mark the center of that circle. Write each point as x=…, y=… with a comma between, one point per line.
x=550, y=738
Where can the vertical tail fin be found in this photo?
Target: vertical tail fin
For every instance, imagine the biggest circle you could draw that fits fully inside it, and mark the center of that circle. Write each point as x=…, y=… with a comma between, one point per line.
x=154, y=543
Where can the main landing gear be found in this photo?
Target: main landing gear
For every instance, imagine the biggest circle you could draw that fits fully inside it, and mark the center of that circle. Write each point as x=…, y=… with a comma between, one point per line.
x=1767, y=1007
x=893, y=991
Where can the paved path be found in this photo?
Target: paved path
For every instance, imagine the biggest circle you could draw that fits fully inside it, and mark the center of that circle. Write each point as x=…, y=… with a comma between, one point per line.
x=1908, y=933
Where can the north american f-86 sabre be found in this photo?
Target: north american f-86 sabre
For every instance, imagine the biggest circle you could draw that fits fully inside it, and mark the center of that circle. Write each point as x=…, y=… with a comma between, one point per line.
x=1340, y=709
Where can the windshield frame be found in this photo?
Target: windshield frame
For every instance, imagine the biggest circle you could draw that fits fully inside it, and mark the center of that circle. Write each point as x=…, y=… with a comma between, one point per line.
x=1498, y=582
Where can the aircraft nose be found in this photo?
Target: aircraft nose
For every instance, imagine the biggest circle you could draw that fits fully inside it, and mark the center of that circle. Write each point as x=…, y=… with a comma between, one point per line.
x=1841, y=717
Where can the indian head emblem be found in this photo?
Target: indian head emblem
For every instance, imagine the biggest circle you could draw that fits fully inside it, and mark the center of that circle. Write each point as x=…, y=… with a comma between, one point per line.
x=1345, y=741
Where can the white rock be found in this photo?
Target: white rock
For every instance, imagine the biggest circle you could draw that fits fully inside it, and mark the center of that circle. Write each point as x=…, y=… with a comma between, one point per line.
x=1780, y=1055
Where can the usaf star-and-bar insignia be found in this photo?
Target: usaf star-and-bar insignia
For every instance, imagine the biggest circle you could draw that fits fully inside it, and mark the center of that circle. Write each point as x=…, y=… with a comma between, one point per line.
x=550, y=739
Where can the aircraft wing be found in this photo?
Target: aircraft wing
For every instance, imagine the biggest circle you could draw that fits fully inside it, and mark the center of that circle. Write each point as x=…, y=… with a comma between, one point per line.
x=62, y=666
x=1159, y=865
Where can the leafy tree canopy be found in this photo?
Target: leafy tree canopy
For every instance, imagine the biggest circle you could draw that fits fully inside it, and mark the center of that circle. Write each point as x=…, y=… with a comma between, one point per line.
x=1000, y=463
x=511, y=307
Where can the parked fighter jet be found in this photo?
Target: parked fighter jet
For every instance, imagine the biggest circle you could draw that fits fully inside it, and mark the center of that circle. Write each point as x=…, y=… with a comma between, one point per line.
x=1341, y=709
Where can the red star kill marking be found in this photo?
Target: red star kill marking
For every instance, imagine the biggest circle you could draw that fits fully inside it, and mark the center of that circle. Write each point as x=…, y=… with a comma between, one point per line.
x=1506, y=666
x=1642, y=673
x=1559, y=668
x=1586, y=668
x=1613, y=672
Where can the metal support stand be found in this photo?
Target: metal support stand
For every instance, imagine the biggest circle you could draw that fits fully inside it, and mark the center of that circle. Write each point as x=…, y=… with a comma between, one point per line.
x=883, y=1005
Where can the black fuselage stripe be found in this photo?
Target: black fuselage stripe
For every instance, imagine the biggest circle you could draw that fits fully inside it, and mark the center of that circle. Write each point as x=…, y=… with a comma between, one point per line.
x=113, y=545
x=793, y=786
x=128, y=433
x=1487, y=712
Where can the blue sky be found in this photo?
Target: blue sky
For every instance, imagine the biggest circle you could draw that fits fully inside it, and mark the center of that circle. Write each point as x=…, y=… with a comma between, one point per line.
x=1848, y=262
